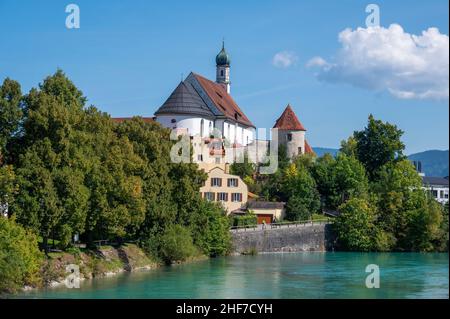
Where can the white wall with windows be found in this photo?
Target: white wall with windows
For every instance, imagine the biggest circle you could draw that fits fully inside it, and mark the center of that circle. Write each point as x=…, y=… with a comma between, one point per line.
x=194, y=125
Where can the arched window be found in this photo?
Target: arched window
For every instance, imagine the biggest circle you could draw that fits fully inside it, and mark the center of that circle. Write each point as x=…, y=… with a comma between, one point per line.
x=221, y=72
x=202, y=124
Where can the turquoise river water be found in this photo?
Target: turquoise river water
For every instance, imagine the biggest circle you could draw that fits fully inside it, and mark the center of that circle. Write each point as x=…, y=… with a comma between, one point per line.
x=283, y=275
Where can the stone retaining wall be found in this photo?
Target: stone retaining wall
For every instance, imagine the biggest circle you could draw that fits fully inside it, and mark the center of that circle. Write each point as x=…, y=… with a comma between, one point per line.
x=317, y=237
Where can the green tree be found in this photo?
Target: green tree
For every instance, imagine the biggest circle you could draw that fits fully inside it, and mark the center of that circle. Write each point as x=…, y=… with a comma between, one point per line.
x=299, y=190
x=10, y=113
x=8, y=188
x=355, y=226
x=20, y=258
x=378, y=144
x=339, y=179
x=349, y=147
x=211, y=230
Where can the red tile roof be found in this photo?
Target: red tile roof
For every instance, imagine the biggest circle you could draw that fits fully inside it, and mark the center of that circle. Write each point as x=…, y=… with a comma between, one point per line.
x=123, y=119
x=223, y=101
x=308, y=148
x=289, y=121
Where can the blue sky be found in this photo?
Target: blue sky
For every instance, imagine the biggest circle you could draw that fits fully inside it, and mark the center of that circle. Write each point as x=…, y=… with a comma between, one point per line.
x=128, y=56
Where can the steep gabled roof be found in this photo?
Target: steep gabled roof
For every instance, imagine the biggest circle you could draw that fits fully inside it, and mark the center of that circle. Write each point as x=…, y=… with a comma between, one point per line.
x=185, y=100
x=308, y=148
x=222, y=100
x=289, y=121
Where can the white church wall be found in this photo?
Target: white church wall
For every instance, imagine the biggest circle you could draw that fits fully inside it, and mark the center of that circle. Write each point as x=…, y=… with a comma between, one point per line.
x=193, y=125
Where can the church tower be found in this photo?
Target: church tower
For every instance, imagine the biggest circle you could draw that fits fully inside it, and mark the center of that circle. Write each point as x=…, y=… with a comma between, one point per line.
x=223, y=69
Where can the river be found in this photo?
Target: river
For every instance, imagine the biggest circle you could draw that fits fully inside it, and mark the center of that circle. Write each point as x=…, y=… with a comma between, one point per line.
x=287, y=275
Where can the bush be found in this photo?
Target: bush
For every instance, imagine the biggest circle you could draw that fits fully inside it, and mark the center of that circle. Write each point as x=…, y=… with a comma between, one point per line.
x=244, y=220
x=20, y=257
x=176, y=244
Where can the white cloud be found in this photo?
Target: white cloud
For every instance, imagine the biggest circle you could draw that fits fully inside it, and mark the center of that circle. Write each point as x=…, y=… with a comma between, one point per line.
x=284, y=59
x=406, y=65
x=316, y=61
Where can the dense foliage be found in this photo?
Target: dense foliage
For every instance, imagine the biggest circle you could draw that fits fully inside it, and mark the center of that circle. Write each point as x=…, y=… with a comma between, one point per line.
x=377, y=192
x=20, y=257
x=70, y=169
x=244, y=220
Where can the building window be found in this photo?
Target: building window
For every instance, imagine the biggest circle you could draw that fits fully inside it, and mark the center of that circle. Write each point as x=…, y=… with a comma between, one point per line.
x=289, y=137
x=210, y=127
x=221, y=72
x=446, y=195
x=223, y=197
x=200, y=158
x=202, y=125
x=209, y=196
x=173, y=121
x=441, y=195
x=216, y=182
x=236, y=197
x=217, y=160
x=232, y=182
x=435, y=193
x=299, y=151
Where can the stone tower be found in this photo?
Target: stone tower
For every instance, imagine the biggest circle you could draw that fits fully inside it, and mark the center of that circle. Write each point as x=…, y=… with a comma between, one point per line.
x=291, y=133
x=223, y=68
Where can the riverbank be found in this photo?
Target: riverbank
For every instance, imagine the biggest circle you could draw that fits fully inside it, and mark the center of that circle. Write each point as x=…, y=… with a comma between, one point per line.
x=106, y=261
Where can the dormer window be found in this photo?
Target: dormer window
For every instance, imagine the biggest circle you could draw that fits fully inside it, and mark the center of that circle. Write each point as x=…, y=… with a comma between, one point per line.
x=236, y=115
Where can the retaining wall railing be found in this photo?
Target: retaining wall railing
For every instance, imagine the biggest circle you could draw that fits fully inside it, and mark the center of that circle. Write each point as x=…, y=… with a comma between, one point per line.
x=301, y=223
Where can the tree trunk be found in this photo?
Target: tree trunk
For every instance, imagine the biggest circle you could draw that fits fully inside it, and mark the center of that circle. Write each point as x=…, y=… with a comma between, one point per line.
x=45, y=244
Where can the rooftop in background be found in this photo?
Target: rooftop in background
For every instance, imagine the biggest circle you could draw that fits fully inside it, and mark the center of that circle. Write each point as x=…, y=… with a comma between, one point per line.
x=289, y=121
x=264, y=205
x=438, y=181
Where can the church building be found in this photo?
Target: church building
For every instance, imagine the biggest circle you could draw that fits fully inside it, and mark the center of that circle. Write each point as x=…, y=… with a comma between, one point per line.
x=201, y=107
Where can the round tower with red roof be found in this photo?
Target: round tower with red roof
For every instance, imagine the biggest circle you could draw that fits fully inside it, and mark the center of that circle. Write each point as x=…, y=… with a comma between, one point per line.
x=291, y=133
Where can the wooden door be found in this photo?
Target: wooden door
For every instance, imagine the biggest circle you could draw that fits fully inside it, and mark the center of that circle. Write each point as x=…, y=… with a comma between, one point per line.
x=264, y=217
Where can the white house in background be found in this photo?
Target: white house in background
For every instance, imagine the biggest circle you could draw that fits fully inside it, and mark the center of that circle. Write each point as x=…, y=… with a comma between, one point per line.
x=438, y=186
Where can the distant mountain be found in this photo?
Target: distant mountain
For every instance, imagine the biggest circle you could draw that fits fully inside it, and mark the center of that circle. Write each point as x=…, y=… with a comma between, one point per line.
x=434, y=162
x=321, y=151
